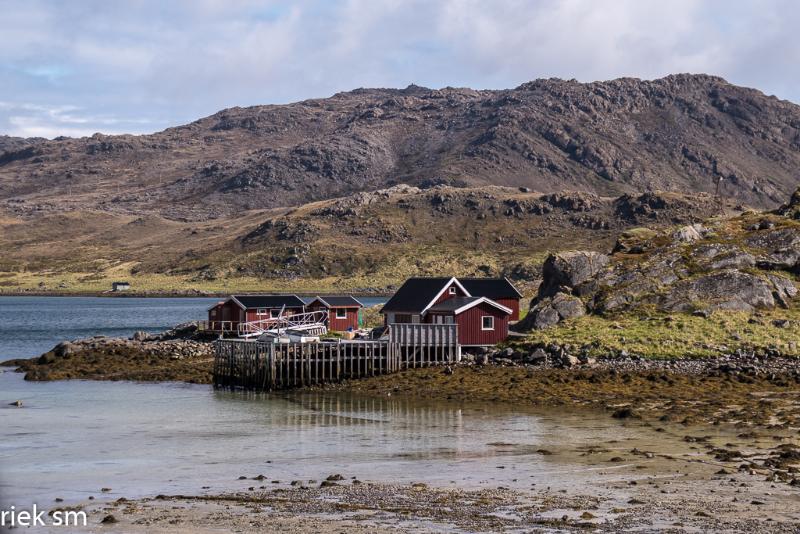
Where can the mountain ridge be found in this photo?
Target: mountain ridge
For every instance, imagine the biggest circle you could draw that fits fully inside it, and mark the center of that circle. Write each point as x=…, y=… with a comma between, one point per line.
x=683, y=132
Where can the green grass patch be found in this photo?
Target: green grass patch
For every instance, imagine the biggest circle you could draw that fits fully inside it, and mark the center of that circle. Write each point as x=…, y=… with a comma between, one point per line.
x=678, y=335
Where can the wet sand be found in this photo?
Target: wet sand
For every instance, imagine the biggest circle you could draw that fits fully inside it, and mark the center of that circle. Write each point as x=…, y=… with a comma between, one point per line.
x=645, y=494
x=663, y=479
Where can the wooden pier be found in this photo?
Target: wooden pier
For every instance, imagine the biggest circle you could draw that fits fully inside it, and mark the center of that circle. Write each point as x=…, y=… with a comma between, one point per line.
x=267, y=366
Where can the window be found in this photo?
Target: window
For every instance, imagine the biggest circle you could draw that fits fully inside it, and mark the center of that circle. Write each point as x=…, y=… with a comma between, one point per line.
x=487, y=322
x=452, y=290
x=274, y=313
x=448, y=319
x=341, y=313
x=213, y=313
x=261, y=311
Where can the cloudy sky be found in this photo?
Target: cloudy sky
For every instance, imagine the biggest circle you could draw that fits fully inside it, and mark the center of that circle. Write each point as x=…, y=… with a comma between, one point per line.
x=78, y=67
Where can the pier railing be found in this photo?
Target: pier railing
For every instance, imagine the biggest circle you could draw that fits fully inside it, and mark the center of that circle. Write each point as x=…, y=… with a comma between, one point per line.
x=266, y=366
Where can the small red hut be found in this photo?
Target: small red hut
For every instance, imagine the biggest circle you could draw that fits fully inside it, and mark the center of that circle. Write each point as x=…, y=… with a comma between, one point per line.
x=343, y=311
x=226, y=315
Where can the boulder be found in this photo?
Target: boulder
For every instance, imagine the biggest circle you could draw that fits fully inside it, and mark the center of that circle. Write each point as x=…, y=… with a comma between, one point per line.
x=786, y=259
x=792, y=209
x=537, y=357
x=65, y=349
x=567, y=306
x=570, y=269
x=140, y=336
x=568, y=360
x=542, y=316
x=733, y=258
x=549, y=311
x=689, y=234
x=784, y=289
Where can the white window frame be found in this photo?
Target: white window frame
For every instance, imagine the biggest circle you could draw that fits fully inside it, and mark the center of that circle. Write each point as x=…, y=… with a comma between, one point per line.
x=451, y=290
x=343, y=312
x=483, y=318
x=261, y=311
x=274, y=313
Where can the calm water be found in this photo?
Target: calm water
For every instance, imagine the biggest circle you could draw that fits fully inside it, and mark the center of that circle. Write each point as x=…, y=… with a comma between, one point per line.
x=30, y=326
x=73, y=438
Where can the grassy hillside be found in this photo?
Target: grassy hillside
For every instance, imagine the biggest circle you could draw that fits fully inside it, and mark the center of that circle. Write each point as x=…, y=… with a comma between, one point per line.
x=366, y=242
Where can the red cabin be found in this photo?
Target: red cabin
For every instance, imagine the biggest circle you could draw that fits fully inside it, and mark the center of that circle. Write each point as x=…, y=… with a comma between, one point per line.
x=225, y=316
x=343, y=311
x=481, y=319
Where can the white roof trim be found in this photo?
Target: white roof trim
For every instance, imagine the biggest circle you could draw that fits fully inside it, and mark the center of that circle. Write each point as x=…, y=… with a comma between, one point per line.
x=452, y=280
x=488, y=301
x=328, y=304
x=514, y=287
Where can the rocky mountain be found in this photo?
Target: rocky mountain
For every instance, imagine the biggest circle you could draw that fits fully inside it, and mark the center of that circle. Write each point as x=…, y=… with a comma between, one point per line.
x=683, y=133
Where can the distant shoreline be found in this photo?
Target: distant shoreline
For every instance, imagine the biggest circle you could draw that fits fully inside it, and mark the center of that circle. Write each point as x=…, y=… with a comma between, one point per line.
x=168, y=294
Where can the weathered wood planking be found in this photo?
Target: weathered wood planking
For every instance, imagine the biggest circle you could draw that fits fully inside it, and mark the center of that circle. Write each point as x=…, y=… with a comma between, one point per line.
x=265, y=366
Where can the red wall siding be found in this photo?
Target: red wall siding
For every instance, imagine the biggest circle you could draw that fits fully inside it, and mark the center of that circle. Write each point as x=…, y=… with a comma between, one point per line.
x=469, y=326
x=513, y=304
x=339, y=325
x=227, y=311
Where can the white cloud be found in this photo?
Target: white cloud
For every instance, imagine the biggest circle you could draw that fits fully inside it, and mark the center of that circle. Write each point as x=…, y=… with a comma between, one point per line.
x=138, y=66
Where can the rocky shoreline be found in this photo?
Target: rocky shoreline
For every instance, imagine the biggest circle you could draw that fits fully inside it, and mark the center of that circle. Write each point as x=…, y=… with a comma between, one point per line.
x=553, y=356
x=181, y=354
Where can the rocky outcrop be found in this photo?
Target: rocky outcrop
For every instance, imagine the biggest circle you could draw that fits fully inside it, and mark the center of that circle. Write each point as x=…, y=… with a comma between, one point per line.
x=563, y=277
x=792, y=209
x=565, y=271
x=745, y=264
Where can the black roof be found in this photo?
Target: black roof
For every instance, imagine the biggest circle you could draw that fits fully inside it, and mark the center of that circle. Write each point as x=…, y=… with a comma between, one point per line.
x=415, y=294
x=339, y=301
x=269, y=301
x=493, y=288
x=452, y=304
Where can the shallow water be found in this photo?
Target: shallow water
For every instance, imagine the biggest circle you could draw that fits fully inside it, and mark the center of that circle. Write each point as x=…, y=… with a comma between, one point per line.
x=30, y=326
x=73, y=438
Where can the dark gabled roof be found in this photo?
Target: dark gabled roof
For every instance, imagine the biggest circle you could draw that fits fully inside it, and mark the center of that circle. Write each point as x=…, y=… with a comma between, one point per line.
x=415, y=294
x=452, y=304
x=339, y=301
x=493, y=288
x=269, y=301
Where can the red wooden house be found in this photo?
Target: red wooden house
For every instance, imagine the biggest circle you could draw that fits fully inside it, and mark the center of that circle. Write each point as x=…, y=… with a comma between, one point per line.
x=225, y=316
x=481, y=320
x=343, y=311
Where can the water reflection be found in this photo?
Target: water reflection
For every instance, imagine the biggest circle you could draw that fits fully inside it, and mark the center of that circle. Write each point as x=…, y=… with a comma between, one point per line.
x=73, y=438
